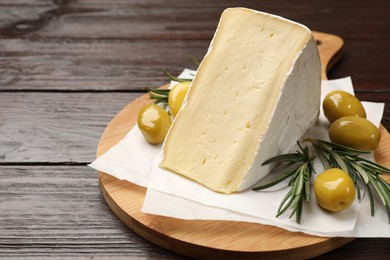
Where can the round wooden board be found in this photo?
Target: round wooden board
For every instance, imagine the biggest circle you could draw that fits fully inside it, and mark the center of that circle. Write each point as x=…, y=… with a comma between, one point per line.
x=205, y=239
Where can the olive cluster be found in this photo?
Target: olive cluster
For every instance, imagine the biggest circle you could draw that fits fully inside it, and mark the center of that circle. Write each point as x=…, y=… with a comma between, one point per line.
x=349, y=126
x=334, y=189
x=154, y=121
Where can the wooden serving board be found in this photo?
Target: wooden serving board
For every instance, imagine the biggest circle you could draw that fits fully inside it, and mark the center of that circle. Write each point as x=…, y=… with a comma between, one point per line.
x=205, y=239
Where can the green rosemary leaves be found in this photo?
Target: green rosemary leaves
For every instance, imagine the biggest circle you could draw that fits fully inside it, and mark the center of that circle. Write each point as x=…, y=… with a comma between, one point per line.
x=160, y=96
x=364, y=173
x=299, y=182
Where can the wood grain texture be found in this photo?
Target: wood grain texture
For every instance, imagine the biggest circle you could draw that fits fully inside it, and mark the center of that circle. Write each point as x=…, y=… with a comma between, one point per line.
x=65, y=127
x=55, y=127
x=330, y=49
x=366, y=64
x=108, y=50
x=92, y=65
x=107, y=64
x=88, y=45
x=51, y=211
x=182, y=19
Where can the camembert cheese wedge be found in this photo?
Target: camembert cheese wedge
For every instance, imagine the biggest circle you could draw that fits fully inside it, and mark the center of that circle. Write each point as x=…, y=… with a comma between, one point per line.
x=255, y=93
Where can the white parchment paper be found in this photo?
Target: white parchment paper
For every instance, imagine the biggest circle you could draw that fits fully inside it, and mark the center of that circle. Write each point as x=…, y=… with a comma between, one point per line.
x=169, y=194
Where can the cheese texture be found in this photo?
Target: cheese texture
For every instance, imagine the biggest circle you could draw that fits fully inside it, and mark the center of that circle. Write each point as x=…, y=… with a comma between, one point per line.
x=254, y=95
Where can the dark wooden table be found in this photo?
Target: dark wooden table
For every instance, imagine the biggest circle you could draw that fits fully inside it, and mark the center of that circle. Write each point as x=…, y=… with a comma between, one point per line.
x=67, y=67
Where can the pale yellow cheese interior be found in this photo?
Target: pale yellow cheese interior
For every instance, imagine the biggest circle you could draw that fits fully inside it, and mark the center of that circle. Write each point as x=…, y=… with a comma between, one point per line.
x=216, y=136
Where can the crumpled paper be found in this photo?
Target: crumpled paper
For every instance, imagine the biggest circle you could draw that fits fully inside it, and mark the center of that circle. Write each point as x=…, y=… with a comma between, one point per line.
x=172, y=195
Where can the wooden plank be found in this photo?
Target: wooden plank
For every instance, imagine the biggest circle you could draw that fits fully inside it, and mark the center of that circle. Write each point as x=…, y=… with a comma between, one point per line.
x=95, y=45
x=184, y=19
x=66, y=127
x=132, y=65
x=366, y=61
x=55, y=127
x=50, y=211
x=362, y=248
x=92, y=64
x=58, y=211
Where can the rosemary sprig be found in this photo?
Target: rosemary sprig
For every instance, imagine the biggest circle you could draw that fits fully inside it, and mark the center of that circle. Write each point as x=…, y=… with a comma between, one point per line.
x=299, y=182
x=361, y=170
x=160, y=96
x=171, y=77
x=194, y=60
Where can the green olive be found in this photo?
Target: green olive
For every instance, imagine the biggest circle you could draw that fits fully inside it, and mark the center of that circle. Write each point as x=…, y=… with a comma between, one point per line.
x=154, y=123
x=334, y=190
x=355, y=132
x=177, y=95
x=339, y=103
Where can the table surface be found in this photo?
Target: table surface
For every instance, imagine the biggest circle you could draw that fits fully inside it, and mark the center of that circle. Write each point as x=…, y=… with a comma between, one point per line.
x=67, y=67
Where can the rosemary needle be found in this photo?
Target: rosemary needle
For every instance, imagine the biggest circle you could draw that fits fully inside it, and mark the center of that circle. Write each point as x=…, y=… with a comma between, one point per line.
x=160, y=96
x=194, y=60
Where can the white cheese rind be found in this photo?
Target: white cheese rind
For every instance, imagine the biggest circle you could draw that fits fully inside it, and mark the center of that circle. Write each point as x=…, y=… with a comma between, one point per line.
x=297, y=110
x=255, y=93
